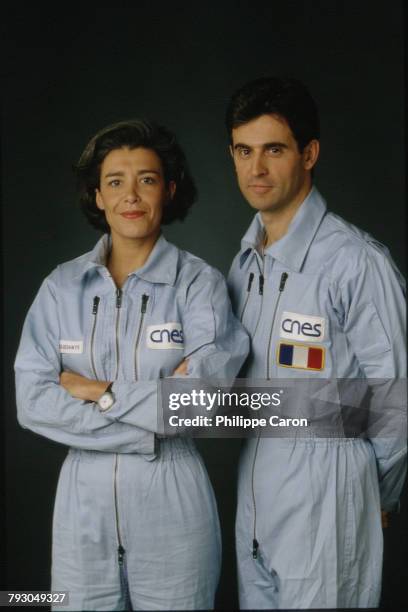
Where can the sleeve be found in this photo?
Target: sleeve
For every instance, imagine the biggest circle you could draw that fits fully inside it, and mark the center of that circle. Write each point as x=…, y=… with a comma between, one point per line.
x=374, y=322
x=45, y=407
x=215, y=344
x=235, y=280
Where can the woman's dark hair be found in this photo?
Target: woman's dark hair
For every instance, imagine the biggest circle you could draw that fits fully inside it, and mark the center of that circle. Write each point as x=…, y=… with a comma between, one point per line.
x=132, y=134
x=285, y=97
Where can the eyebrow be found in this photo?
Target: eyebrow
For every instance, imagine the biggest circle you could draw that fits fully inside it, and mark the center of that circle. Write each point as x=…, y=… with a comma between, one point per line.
x=265, y=145
x=139, y=172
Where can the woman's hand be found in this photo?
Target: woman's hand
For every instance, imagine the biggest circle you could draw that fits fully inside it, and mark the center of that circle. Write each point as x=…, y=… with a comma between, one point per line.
x=81, y=387
x=181, y=369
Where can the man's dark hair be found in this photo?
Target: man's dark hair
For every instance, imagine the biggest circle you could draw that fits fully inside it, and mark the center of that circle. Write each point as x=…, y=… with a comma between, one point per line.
x=132, y=134
x=285, y=97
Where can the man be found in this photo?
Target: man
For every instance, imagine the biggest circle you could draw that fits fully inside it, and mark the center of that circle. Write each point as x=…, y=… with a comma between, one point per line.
x=320, y=299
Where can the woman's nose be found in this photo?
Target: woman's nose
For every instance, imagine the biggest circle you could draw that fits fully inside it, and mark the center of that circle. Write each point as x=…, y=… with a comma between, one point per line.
x=133, y=194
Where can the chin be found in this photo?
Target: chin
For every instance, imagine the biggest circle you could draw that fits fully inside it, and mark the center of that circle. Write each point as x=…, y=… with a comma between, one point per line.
x=263, y=206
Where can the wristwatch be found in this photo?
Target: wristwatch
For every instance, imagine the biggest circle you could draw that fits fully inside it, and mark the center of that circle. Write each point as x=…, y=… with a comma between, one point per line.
x=107, y=399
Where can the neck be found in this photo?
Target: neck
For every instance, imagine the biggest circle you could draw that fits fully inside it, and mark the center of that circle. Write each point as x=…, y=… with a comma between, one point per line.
x=128, y=255
x=277, y=222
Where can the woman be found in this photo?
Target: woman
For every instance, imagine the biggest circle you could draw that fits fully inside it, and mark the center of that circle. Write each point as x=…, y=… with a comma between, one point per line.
x=135, y=520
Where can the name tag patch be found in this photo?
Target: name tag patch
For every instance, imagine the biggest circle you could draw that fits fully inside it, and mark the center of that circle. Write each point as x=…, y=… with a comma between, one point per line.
x=75, y=347
x=296, y=326
x=300, y=356
x=165, y=336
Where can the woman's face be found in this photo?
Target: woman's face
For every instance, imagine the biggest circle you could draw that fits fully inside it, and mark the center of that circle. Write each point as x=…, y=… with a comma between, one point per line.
x=132, y=192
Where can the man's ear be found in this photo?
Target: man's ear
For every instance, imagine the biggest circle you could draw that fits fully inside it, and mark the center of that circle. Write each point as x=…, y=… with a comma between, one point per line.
x=99, y=200
x=310, y=154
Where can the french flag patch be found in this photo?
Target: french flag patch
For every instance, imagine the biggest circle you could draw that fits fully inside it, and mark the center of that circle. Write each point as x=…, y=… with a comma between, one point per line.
x=300, y=356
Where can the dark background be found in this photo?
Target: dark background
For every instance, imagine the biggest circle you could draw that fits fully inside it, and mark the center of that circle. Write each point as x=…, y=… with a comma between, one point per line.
x=69, y=74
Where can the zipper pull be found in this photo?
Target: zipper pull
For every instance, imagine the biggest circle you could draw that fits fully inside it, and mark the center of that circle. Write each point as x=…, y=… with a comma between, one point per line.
x=261, y=284
x=255, y=546
x=145, y=299
x=118, y=298
x=121, y=554
x=250, y=279
x=96, y=301
x=283, y=280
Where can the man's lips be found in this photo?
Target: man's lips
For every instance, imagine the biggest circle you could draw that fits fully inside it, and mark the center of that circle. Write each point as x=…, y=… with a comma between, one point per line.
x=133, y=214
x=260, y=188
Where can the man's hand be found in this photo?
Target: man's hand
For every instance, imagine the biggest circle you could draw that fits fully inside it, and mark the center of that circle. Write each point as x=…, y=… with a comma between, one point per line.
x=384, y=519
x=181, y=369
x=88, y=389
x=81, y=387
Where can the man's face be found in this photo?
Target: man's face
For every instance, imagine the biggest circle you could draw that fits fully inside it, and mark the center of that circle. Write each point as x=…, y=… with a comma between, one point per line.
x=132, y=192
x=272, y=173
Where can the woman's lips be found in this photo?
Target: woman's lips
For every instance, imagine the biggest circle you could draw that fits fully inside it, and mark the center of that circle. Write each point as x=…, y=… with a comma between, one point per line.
x=134, y=214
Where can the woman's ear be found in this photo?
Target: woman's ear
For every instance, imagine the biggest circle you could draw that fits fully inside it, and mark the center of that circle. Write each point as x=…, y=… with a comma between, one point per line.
x=172, y=189
x=99, y=200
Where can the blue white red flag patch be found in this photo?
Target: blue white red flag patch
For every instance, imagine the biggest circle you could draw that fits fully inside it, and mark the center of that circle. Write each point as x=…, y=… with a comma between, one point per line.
x=300, y=356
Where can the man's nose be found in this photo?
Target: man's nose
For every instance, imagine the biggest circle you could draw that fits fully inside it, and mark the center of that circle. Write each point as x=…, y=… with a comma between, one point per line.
x=258, y=167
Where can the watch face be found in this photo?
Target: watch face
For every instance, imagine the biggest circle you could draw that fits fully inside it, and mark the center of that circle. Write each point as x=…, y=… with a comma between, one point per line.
x=106, y=401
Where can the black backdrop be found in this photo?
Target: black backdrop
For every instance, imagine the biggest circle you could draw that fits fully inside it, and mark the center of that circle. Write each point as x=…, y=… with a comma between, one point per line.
x=70, y=73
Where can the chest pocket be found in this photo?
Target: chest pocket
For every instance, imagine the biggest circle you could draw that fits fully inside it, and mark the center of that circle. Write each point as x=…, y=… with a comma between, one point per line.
x=165, y=336
x=303, y=327
x=249, y=309
x=73, y=355
x=161, y=348
x=161, y=341
x=77, y=320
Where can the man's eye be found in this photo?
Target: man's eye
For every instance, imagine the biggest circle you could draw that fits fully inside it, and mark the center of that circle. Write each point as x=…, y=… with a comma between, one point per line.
x=148, y=180
x=243, y=152
x=274, y=150
x=114, y=183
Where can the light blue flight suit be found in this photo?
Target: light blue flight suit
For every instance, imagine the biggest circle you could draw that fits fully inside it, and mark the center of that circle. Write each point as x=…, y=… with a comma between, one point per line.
x=325, y=301
x=135, y=514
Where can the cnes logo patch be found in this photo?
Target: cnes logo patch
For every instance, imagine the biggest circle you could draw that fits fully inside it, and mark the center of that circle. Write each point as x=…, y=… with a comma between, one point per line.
x=295, y=326
x=165, y=336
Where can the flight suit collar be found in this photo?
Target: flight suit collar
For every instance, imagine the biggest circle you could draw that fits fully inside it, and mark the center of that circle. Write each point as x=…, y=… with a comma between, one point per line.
x=160, y=267
x=292, y=248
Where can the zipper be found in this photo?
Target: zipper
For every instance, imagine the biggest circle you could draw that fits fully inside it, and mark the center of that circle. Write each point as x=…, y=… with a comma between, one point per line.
x=261, y=282
x=143, y=307
x=118, y=307
x=121, y=550
x=95, y=307
x=282, y=284
x=283, y=279
x=250, y=280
